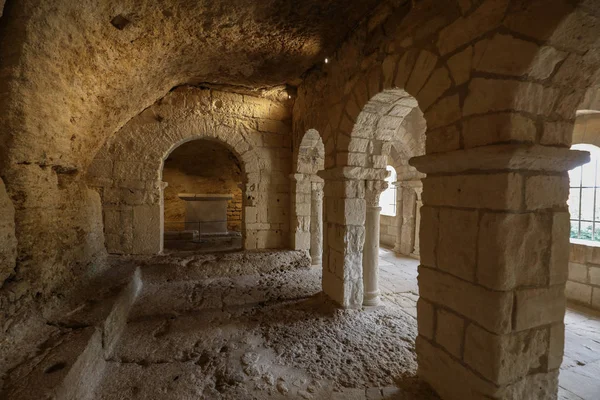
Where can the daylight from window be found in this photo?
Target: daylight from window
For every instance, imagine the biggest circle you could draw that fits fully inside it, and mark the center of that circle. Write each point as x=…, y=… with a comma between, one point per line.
x=387, y=200
x=584, y=196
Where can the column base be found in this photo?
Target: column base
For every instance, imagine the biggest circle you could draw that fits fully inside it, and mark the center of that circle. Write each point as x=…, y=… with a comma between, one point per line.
x=372, y=299
x=316, y=261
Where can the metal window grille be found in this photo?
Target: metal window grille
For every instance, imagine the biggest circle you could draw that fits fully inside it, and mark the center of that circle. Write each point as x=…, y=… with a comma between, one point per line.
x=582, y=227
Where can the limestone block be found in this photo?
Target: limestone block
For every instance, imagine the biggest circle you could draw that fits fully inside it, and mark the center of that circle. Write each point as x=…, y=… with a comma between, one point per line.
x=405, y=67
x=346, y=211
x=557, y=133
x=497, y=128
x=507, y=55
x=345, y=238
x=494, y=191
x=559, y=253
x=449, y=377
x=579, y=272
x=538, y=307
x=435, y=87
x=422, y=70
x=457, y=242
x=489, y=95
x=127, y=170
x=512, y=250
x=426, y=315
x=596, y=298
x=374, y=83
x=352, y=159
x=579, y=253
x=449, y=333
x=594, y=275
x=428, y=235
x=578, y=292
x=442, y=140
x=389, y=68
x=490, y=309
x=147, y=220
x=545, y=191
x=100, y=169
x=556, y=346
x=445, y=112
x=505, y=358
x=574, y=24
x=593, y=255
x=460, y=66
x=465, y=29
x=250, y=214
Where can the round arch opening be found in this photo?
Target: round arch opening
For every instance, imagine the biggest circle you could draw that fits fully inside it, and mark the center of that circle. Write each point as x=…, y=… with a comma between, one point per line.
x=202, y=198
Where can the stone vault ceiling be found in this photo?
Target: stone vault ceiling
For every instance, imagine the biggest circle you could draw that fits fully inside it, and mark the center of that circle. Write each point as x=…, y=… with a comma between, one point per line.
x=88, y=66
x=243, y=42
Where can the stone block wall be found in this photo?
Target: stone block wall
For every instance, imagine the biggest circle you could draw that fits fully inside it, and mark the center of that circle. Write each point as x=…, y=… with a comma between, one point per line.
x=583, y=285
x=498, y=92
x=128, y=170
x=202, y=166
x=388, y=230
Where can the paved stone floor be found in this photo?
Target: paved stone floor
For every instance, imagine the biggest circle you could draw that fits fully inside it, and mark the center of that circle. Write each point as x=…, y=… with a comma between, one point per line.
x=580, y=371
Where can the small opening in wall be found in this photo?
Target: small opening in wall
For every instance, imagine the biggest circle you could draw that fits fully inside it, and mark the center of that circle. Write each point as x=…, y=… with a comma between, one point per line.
x=120, y=22
x=55, y=367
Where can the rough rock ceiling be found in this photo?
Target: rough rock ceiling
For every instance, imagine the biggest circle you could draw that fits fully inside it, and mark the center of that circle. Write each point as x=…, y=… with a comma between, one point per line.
x=245, y=42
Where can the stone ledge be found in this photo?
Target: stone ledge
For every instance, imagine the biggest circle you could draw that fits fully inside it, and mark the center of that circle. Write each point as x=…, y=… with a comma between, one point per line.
x=356, y=173
x=509, y=157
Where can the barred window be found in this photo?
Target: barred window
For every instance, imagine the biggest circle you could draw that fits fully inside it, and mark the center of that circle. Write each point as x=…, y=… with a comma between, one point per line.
x=387, y=200
x=584, y=196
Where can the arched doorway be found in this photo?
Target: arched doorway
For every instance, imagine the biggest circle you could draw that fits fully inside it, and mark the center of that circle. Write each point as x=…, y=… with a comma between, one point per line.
x=307, y=196
x=202, y=198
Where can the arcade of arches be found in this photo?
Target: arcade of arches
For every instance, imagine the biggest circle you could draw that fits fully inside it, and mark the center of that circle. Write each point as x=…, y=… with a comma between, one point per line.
x=190, y=199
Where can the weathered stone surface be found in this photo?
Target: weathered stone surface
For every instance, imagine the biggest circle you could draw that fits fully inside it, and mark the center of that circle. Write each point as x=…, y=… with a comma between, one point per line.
x=512, y=250
x=426, y=317
x=507, y=55
x=504, y=358
x=450, y=331
x=460, y=66
x=490, y=309
x=457, y=242
x=545, y=191
x=501, y=157
x=538, y=307
x=498, y=128
x=502, y=191
x=8, y=241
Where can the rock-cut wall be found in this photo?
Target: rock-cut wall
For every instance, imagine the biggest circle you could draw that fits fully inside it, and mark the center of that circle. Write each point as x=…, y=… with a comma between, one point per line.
x=8, y=241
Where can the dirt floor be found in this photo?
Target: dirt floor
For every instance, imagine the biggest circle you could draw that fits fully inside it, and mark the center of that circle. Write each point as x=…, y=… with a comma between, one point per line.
x=268, y=335
x=250, y=325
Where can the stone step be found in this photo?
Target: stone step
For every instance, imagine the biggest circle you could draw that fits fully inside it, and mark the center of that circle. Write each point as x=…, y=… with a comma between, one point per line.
x=71, y=363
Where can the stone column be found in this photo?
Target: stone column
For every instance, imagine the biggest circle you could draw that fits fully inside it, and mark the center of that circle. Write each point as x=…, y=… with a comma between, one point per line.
x=494, y=252
x=316, y=221
x=399, y=213
x=417, y=230
x=344, y=232
x=371, y=248
x=300, y=216
x=405, y=239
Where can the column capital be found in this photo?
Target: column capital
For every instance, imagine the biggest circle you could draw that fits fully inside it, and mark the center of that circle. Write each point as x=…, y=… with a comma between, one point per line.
x=298, y=177
x=373, y=190
x=411, y=184
x=509, y=157
x=352, y=173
